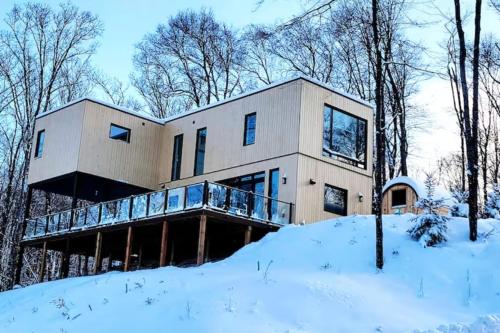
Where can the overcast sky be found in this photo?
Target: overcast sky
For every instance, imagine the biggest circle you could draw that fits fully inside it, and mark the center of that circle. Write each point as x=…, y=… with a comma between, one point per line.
x=126, y=22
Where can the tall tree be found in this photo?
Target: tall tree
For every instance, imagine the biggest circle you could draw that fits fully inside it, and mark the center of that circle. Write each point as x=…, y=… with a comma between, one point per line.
x=471, y=117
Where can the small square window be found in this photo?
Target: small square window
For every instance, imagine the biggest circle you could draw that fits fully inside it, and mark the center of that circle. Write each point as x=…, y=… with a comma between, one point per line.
x=398, y=197
x=40, y=140
x=119, y=133
x=250, y=126
x=335, y=200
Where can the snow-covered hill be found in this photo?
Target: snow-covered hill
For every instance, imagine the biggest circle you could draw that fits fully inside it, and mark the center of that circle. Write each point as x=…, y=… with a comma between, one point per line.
x=314, y=278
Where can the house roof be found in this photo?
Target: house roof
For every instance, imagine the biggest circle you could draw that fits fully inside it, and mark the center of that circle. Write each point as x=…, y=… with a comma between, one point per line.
x=419, y=187
x=206, y=107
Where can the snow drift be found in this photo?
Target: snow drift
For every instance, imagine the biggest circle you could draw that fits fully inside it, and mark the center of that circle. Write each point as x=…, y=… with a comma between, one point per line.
x=314, y=278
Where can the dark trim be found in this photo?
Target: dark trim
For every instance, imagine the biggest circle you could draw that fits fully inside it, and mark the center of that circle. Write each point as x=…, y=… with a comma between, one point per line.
x=196, y=151
x=245, y=130
x=179, y=137
x=346, y=199
x=128, y=130
x=339, y=158
x=37, y=145
x=269, y=194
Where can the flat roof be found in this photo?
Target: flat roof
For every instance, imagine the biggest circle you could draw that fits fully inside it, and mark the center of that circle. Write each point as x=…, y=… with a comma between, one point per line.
x=209, y=106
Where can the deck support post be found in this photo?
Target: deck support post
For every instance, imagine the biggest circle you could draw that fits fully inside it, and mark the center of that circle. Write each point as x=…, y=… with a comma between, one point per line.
x=97, y=255
x=128, y=249
x=41, y=268
x=20, y=253
x=201, y=240
x=64, y=269
x=248, y=234
x=164, y=244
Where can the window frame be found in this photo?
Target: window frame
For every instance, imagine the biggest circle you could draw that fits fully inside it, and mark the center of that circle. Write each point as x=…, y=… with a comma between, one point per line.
x=177, y=175
x=338, y=157
x=405, y=197
x=128, y=130
x=245, y=131
x=196, y=151
x=346, y=200
x=272, y=204
x=38, y=145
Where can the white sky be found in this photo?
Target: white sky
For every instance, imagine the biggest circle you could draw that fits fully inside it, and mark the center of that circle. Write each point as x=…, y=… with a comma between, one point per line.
x=126, y=22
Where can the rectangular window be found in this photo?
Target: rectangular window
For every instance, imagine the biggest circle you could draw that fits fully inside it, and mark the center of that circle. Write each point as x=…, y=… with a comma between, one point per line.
x=344, y=137
x=177, y=157
x=199, y=159
x=40, y=139
x=117, y=132
x=398, y=197
x=335, y=200
x=250, y=125
x=274, y=182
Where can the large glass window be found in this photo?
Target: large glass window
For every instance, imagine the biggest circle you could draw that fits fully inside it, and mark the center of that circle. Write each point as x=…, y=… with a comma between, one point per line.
x=250, y=125
x=344, y=137
x=398, y=197
x=40, y=139
x=199, y=159
x=177, y=157
x=274, y=178
x=119, y=133
x=335, y=200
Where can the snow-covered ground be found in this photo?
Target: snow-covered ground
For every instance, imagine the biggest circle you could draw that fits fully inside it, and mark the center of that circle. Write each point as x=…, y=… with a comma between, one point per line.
x=314, y=278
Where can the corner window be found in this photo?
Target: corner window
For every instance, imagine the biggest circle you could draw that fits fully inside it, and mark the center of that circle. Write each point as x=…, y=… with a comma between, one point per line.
x=119, y=133
x=250, y=125
x=335, y=200
x=199, y=159
x=398, y=197
x=40, y=139
x=344, y=137
x=177, y=157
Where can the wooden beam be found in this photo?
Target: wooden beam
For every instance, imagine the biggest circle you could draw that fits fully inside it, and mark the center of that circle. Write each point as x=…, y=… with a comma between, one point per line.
x=97, y=255
x=41, y=269
x=128, y=249
x=64, y=269
x=164, y=244
x=248, y=234
x=201, y=240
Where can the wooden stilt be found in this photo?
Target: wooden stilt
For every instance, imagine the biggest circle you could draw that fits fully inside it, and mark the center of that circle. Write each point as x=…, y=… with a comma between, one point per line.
x=201, y=239
x=97, y=255
x=41, y=269
x=248, y=234
x=64, y=269
x=164, y=244
x=128, y=250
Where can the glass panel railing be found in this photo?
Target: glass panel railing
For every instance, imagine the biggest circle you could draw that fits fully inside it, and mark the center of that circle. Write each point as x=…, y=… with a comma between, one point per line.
x=238, y=202
x=156, y=203
x=259, y=210
x=282, y=213
x=115, y=211
x=92, y=215
x=194, y=196
x=40, y=226
x=139, y=206
x=30, y=228
x=64, y=220
x=217, y=196
x=175, y=200
x=79, y=218
x=53, y=222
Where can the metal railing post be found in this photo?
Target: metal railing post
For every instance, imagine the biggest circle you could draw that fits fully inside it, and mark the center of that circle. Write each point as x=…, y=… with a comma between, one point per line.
x=148, y=196
x=290, y=213
x=99, y=214
x=130, y=208
x=185, y=198
x=205, y=193
x=227, y=202
x=165, y=202
x=249, y=203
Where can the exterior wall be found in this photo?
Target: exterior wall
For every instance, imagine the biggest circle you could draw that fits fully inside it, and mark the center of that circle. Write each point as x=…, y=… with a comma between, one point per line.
x=61, y=146
x=135, y=163
x=310, y=198
x=411, y=199
x=277, y=112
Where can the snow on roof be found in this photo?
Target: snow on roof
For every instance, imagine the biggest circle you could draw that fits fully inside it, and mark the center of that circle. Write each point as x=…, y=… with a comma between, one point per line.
x=209, y=106
x=419, y=188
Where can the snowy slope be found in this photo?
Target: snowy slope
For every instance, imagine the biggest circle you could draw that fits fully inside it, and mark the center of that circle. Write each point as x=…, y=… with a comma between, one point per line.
x=314, y=278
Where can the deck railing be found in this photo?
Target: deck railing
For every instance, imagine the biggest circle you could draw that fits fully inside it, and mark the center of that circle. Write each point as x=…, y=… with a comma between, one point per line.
x=171, y=201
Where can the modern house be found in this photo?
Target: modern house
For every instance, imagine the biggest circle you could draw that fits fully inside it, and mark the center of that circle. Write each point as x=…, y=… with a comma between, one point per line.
x=400, y=196
x=200, y=185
